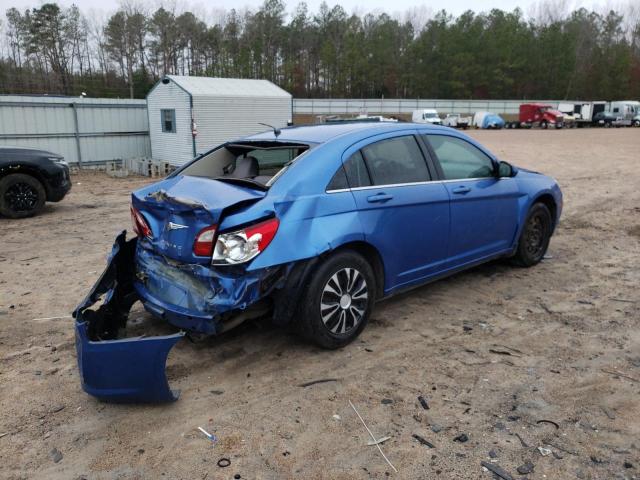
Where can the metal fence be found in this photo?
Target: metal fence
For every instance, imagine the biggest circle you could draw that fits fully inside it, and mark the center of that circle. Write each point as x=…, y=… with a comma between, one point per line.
x=83, y=130
x=325, y=106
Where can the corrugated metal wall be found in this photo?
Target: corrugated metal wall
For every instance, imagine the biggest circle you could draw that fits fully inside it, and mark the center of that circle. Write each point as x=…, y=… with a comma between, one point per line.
x=220, y=119
x=173, y=147
x=326, y=106
x=83, y=130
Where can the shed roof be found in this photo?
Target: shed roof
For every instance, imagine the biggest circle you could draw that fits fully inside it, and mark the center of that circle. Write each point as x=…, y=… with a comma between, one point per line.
x=228, y=87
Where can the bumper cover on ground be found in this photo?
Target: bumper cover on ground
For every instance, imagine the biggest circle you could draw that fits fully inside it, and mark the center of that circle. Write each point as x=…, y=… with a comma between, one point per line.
x=113, y=369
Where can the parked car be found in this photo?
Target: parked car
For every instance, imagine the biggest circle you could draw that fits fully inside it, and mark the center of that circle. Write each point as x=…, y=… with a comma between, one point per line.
x=488, y=120
x=29, y=178
x=537, y=114
x=426, y=115
x=456, y=120
x=606, y=119
x=312, y=224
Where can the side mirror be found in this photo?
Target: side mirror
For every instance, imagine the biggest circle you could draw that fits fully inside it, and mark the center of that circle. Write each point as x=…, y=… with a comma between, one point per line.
x=506, y=170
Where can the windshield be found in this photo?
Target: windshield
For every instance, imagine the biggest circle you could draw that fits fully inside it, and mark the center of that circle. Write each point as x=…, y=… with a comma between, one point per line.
x=250, y=163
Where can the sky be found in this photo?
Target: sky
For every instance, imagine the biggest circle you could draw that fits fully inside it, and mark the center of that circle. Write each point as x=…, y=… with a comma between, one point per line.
x=205, y=8
x=453, y=6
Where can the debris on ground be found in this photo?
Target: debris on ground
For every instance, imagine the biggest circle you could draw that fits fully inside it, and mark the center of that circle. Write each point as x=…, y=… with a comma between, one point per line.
x=435, y=428
x=55, y=455
x=314, y=382
x=462, y=438
x=210, y=436
x=544, y=451
x=371, y=443
x=423, y=402
x=496, y=470
x=423, y=441
x=224, y=462
x=373, y=437
x=550, y=422
x=526, y=468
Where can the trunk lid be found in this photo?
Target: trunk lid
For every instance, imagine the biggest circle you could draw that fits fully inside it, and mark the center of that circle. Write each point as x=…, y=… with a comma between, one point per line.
x=178, y=208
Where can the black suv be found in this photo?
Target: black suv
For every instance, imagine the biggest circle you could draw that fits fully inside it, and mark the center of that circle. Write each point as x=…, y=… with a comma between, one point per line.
x=30, y=177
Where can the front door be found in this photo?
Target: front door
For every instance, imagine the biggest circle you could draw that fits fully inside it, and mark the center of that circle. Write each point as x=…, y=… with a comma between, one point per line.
x=484, y=208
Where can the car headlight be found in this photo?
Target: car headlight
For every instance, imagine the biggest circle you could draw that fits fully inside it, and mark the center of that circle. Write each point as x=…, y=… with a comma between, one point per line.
x=243, y=245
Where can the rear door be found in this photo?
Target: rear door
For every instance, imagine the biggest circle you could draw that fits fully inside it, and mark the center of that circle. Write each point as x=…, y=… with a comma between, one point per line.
x=484, y=208
x=404, y=214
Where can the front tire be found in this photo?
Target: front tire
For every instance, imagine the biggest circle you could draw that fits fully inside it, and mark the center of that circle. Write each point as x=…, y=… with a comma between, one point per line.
x=535, y=237
x=21, y=196
x=337, y=301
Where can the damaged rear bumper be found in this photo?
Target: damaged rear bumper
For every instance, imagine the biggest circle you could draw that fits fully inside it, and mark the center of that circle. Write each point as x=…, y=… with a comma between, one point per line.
x=119, y=369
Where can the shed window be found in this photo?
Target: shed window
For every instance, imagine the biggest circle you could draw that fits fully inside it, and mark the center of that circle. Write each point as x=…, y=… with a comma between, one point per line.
x=168, y=120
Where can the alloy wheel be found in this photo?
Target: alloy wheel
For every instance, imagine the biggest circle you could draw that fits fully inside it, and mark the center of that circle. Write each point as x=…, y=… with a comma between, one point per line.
x=21, y=197
x=344, y=301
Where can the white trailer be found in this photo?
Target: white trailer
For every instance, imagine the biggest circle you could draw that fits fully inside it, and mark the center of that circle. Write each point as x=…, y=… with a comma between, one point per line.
x=582, y=111
x=190, y=115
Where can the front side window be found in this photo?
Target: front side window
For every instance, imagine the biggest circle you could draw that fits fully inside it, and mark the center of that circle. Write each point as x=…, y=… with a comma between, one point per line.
x=459, y=159
x=396, y=160
x=168, y=119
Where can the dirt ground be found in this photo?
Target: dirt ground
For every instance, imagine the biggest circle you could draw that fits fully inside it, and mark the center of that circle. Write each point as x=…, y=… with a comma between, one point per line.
x=495, y=351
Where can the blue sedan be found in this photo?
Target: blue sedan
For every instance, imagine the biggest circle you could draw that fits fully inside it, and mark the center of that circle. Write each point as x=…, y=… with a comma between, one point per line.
x=310, y=225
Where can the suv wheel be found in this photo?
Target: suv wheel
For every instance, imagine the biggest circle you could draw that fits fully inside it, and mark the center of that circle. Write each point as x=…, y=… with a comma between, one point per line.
x=535, y=236
x=21, y=196
x=338, y=300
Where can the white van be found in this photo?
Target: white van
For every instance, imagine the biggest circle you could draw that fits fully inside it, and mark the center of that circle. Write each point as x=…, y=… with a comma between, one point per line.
x=426, y=115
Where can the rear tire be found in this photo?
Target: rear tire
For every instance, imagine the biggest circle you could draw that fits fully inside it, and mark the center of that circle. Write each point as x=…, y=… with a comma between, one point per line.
x=21, y=196
x=337, y=301
x=543, y=125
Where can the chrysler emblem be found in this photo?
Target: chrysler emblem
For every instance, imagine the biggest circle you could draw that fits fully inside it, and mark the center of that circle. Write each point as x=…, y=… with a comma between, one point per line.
x=175, y=226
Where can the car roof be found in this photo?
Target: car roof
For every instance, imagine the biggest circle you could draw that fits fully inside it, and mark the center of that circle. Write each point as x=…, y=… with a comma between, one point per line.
x=325, y=132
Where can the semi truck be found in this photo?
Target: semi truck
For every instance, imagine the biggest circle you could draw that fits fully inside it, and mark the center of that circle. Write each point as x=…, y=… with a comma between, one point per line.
x=625, y=111
x=537, y=114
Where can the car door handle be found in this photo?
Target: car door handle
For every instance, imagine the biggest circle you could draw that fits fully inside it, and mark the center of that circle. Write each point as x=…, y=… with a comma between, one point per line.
x=461, y=189
x=379, y=197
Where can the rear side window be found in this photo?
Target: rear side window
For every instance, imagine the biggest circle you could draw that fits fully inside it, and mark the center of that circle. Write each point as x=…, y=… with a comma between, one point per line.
x=357, y=174
x=396, y=160
x=459, y=159
x=352, y=174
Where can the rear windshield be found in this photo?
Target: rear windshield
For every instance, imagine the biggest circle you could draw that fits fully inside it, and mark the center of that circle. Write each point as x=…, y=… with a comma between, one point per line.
x=257, y=162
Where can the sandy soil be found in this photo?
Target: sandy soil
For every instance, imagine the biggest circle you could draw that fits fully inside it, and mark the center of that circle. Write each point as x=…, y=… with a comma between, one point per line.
x=495, y=351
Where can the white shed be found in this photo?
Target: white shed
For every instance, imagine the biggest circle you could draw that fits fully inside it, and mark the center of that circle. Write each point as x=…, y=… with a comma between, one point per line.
x=190, y=115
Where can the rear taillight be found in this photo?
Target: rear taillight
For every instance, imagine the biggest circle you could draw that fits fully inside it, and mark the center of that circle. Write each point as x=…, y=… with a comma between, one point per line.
x=203, y=245
x=243, y=245
x=140, y=225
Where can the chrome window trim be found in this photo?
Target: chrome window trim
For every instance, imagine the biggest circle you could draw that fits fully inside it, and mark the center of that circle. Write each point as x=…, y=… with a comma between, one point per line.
x=394, y=185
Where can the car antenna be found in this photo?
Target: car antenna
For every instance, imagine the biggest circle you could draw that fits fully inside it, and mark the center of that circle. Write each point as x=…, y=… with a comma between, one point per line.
x=276, y=131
